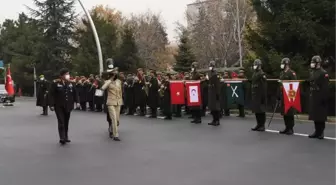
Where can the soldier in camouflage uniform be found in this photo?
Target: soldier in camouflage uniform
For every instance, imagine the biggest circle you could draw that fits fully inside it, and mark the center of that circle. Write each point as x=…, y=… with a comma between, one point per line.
x=286, y=74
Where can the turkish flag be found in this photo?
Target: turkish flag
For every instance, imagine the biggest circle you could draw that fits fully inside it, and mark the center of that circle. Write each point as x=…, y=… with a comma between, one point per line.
x=194, y=97
x=9, y=82
x=177, y=92
x=291, y=95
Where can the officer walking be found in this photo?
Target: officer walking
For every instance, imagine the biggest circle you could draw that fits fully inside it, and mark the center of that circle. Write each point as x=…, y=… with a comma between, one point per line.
x=318, y=99
x=214, y=94
x=259, y=87
x=62, y=96
x=287, y=74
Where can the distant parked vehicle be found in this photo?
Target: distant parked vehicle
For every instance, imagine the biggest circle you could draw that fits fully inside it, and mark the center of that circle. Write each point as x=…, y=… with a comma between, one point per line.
x=4, y=97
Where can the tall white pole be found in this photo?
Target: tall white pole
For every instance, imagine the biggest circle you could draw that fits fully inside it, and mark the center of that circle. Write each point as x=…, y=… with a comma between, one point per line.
x=95, y=34
x=239, y=36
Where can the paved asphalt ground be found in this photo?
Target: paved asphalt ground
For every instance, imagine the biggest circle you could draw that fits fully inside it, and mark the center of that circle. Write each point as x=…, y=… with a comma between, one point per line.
x=158, y=152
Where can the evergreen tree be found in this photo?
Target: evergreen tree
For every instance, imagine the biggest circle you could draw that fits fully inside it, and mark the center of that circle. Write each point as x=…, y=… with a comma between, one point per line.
x=19, y=45
x=128, y=59
x=185, y=56
x=56, y=18
x=292, y=28
x=85, y=60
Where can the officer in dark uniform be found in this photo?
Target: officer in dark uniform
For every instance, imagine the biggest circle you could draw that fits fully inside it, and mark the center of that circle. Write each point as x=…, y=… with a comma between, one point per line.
x=259, y=88
x=42, y=92
x=196, y=111
x=140, y=88
x=153, y=94
x=62, y=96
x=214, y=94
x=166, y=101
x=98, y=100
x=287, y=74
x=318, y=101
x=204, y=91
x=241, y=75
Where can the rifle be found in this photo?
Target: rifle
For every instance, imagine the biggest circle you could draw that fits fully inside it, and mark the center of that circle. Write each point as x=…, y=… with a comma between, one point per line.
x=275, y=108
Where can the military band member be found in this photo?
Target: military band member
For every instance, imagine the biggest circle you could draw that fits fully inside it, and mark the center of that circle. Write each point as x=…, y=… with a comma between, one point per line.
x=287, y=74
x=129, y=94
x=140, y=95
x=83, y=89
x=98, y=100
x=62, y=96
x=214, y=94
x=259, y=87
x=42, y=92
x=196, y=111
x=91, y=93
x=166, y=101
x=153, y=94
x=318, y=99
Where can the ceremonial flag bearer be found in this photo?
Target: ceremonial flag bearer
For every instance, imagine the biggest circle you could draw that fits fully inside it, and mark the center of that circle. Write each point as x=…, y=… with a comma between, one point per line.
x=287, y=74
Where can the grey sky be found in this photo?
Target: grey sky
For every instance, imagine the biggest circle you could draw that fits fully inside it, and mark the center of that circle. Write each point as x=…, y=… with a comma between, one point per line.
x=171, y=10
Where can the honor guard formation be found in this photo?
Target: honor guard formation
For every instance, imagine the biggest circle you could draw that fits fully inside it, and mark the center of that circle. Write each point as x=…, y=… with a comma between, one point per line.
x=167, y=95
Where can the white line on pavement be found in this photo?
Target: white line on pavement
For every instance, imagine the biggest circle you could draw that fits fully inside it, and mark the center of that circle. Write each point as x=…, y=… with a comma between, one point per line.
x=299, y=134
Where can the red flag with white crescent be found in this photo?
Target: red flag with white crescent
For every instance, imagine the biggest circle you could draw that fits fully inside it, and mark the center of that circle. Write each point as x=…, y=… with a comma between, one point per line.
x=194, y=97
x=9, y=82
x=291, y=96
x=177, y=92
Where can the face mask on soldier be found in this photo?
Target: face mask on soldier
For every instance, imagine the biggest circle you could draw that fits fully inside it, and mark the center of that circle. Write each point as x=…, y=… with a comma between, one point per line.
x=282, y=66
x=312, y=65
x=67, y=77
x=255, y=67
x=110, y=66
x=210, y=68
x=192, y=69
x=42, y=78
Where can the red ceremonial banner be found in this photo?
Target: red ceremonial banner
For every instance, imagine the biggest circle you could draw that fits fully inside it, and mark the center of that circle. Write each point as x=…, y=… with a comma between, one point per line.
x=194, y=97
x=9, y=82
x=291, y=96
x=177, y=92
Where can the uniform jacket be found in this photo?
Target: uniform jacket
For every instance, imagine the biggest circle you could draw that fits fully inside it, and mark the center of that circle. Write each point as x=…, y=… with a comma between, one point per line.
x=214, y=92
x=63, y=95
x=153, y=93
x=258, y=88
x=114, y=92
x=42, y=92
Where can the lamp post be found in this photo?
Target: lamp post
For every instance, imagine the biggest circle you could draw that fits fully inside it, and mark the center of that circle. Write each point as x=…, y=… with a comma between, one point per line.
x=95, y=34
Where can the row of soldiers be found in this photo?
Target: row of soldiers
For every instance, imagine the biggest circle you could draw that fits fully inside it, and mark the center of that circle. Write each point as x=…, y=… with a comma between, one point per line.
x=140, y=91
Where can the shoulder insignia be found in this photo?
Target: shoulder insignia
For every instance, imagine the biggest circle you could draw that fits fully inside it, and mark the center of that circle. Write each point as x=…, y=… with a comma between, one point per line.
x=326, y=75
x=294, y=73
x=264, y=76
